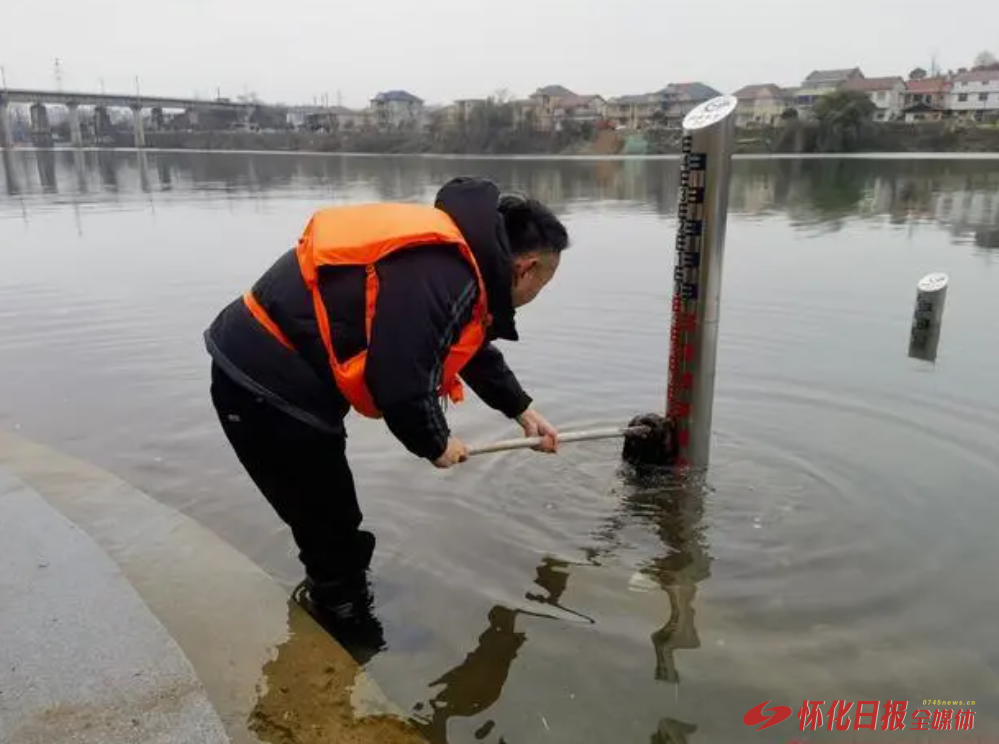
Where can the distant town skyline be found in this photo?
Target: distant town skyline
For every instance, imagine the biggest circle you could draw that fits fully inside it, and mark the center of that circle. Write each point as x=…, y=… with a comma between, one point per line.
x=337, y=99
x=441, y=50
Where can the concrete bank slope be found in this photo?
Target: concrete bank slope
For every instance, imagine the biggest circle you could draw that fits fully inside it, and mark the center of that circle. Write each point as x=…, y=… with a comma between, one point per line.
x=81, y=654
x=123, y=620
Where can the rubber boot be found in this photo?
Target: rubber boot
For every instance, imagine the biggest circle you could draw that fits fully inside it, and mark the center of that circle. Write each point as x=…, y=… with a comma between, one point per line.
x=344, y=606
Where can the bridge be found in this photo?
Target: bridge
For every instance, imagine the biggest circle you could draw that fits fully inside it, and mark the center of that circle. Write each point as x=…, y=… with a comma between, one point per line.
x=39, y=100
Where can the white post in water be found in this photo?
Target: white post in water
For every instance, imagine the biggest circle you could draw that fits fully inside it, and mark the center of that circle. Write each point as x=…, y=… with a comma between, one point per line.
x=708, y=138
x=931, y=295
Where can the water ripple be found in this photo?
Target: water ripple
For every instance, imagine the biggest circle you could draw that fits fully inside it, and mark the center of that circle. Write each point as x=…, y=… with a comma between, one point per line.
x=842, y=542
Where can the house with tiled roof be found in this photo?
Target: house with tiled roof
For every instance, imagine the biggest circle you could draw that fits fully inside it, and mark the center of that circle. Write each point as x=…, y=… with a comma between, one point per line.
x=586, y=109
x=397, y=109
x=760, y=105
x=831, y=79
x=555, y=105
x=633, y=111
x=819, y=83
x=975, y=94
x=679, y=99
x=552, y=91
x=926, y=99
x=887, y=93
x=666, y=106
x=546, y=100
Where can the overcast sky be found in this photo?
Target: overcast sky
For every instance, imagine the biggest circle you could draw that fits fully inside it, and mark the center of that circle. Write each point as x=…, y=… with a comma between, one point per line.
x=294, y=50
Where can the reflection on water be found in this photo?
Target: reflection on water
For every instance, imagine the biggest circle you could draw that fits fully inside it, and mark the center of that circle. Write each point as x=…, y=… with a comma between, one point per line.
x=675, y=514
x=672, y=731
x=842, y=546
x=961, y=195
x=477, y=682
x=9, y=173
x=673, y=509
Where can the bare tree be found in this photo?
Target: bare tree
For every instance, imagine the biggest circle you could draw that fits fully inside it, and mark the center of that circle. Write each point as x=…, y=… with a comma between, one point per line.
x=501, y=96
x=985, y=59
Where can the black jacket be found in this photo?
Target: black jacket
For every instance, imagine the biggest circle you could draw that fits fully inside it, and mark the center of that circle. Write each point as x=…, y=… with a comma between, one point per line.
x=425, y=298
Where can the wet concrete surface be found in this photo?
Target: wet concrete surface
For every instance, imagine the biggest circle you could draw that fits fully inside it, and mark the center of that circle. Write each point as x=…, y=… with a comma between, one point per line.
x=270, y=673
x=82, y=657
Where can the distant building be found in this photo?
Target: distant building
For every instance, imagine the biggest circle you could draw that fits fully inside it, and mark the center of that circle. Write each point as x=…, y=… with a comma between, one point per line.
x=664, y=107
x=547, y=101
x=328, y=118
x=760, y=105
x=887, y=93
x=831, y=79
x=975, y=94
x=297, y=117
x=347, y=119
x=926, y=99
x=588, y=109
x=464, y=108
x=397, y=109
x=679, y=99
x=524, y=114
x=554, y=106
x=633, y=111
x=819, y=83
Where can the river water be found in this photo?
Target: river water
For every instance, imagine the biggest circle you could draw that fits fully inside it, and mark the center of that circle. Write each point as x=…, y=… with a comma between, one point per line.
x=842, y=549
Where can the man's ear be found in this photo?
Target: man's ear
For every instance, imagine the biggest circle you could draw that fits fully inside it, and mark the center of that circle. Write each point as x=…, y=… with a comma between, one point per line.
x=523, y=264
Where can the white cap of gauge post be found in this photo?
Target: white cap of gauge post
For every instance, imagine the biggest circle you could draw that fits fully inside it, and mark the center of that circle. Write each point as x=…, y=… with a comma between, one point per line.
x=932, y=282
x=710, y=112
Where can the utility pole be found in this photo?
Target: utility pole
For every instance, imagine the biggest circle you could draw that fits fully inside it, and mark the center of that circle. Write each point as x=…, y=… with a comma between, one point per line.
x=58, y=75
x=3, y=77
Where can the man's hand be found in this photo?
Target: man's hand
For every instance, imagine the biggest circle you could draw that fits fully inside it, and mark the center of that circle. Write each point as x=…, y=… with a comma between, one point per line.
x=456, y=452
x=535, y=425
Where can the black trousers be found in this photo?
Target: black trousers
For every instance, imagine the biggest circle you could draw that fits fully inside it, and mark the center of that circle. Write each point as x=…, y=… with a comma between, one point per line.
x=304, y=475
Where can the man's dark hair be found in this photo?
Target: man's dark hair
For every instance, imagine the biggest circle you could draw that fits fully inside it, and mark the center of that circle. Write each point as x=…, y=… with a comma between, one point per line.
x=531, y=226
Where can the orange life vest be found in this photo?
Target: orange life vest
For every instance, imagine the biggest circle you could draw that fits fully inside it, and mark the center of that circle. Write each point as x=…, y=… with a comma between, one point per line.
x=361, y=236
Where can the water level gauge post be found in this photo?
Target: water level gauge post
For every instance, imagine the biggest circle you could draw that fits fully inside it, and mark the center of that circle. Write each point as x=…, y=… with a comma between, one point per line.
x=702, y=212
x=927, y=316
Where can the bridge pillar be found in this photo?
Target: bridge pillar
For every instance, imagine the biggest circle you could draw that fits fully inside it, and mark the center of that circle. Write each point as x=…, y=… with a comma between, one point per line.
x=158, y=120
x=102, y=123
x=75, y=133
x=163, y=169
x=140, y=133
x=6, y=139
x=41, y=132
